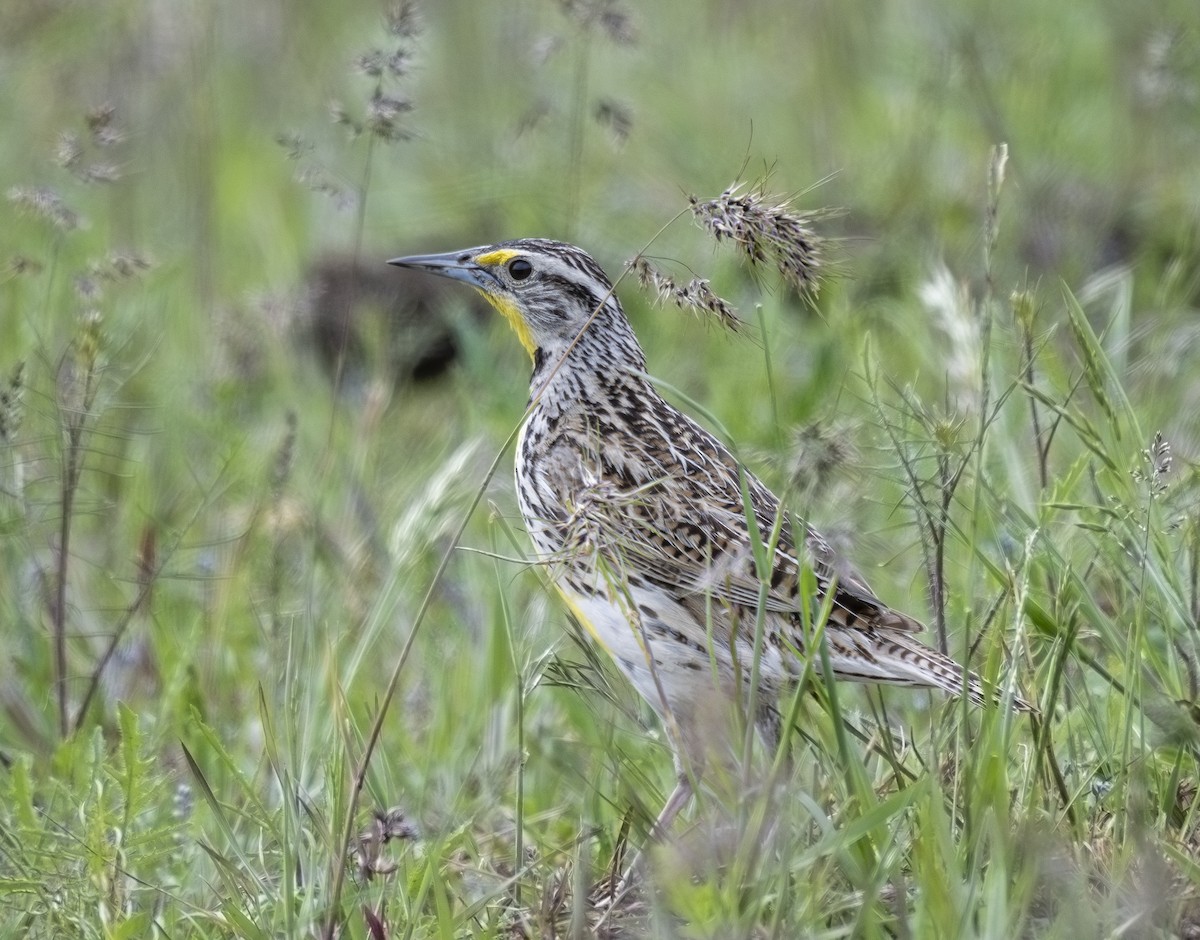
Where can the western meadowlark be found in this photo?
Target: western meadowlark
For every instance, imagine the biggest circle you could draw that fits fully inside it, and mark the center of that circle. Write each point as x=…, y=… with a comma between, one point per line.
x=641, y=515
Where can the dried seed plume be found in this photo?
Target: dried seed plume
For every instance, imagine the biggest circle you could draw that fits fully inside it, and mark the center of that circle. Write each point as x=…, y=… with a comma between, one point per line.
x=695, y=295
x=767, y=230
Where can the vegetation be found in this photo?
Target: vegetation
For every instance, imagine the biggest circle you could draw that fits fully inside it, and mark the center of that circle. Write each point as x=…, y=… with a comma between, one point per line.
x=241, y=576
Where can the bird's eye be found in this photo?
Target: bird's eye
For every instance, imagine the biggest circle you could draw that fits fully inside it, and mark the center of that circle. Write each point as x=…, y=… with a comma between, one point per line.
x=519, y=269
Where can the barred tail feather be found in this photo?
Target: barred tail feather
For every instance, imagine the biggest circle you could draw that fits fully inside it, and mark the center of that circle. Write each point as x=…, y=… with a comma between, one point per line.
x=894, y=658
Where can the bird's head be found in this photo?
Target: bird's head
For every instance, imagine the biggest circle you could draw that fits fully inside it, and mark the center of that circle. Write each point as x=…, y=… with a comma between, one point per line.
x=548, y=291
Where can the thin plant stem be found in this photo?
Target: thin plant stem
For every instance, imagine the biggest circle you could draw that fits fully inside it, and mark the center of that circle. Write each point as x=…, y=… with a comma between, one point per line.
x=360, y=774
x=75, y=418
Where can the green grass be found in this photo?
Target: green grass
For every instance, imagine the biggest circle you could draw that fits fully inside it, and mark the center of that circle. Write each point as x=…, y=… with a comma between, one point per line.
x=969, y=410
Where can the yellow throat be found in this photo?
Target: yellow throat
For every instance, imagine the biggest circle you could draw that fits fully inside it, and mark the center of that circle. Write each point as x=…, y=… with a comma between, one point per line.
x=507, y=308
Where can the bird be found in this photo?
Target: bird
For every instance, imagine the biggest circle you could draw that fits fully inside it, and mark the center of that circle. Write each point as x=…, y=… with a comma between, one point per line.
x=683, y=565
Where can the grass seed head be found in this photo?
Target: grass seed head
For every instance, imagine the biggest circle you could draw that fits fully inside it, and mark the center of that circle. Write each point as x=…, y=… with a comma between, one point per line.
x=613, y=19
x=285, y=456
x=294, y=145
x=616, y=117
x=90, y=339
x=1024, y=307
x=102, y=125
x=371, y=63
x=369, y=858
x=383, y=117
x=618, y=25
x=766, y=230
x=12, y=399
x=399, y=63
x=124, y=266
x=45, y=203
x=948, y=301
x=695, y=295
x=87, y=288
x=404, y=19
x=820, y=454
x=1158, y=464
x=69, y=151
x=19, y=265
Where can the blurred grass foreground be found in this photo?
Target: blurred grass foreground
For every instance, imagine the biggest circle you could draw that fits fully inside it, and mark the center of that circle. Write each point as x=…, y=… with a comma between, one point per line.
x=252, y=554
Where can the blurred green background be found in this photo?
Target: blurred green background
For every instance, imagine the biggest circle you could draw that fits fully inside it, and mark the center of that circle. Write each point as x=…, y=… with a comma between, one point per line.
x=200, y=199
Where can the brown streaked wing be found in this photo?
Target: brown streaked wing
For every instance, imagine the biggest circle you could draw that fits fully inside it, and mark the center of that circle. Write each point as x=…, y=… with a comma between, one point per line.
x=688, y=540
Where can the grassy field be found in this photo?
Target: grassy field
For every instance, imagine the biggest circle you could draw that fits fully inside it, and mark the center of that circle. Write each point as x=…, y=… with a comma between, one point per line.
x=242, y=572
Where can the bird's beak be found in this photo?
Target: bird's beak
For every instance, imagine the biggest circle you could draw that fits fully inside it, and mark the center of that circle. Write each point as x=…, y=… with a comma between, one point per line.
x=456, y=265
